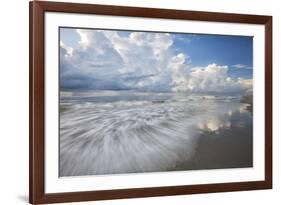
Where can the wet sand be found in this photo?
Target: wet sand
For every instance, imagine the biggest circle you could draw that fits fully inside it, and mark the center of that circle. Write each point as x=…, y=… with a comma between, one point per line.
x=231, y=148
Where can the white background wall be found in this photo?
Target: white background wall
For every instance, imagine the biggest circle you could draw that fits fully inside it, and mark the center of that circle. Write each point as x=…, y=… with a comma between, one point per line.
x=14, y=100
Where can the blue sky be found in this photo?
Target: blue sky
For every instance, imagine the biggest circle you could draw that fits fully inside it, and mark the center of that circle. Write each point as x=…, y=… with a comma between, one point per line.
x=146, y=61
x=219, y=49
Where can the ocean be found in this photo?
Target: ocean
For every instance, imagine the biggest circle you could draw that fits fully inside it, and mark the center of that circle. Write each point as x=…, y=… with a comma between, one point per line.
x=119, y=132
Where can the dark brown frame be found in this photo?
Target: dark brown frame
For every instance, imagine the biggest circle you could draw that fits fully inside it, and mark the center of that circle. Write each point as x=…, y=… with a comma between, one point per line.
x=37, y=9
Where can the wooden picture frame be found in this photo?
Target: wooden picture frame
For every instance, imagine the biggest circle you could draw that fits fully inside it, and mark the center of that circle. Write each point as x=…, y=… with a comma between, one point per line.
x=37, y=110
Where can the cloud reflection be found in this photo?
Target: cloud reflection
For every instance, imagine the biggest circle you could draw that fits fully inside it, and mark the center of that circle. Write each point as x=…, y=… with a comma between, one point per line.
x=218, y=122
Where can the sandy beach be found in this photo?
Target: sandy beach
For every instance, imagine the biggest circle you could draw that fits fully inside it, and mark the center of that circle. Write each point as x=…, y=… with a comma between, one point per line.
x=128, y=132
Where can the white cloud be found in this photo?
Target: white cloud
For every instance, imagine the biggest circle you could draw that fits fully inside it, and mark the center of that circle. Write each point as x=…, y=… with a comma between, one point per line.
x=241, y=66
x=68, y=49
x=212, y=78
x=140, y=60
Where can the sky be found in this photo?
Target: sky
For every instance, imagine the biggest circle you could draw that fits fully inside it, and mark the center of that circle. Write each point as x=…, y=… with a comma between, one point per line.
x=151, y=61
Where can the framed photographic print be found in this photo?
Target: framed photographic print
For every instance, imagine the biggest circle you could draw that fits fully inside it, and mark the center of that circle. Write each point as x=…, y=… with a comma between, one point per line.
x=139, y=102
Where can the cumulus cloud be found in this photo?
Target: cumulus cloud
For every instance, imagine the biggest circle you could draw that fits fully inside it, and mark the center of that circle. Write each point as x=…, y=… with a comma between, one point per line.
x=212, y=78
x=139, y=61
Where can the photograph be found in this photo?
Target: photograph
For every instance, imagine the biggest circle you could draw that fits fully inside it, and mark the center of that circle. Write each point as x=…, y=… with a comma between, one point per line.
x=133, y=102
x=143, y=101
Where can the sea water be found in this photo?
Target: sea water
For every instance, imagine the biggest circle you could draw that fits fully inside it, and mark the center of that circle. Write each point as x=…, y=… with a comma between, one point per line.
x=114, y=132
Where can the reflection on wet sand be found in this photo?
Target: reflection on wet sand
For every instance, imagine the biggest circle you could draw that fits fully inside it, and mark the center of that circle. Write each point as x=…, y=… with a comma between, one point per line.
x=220, y=122
x=225, y=142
